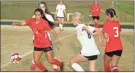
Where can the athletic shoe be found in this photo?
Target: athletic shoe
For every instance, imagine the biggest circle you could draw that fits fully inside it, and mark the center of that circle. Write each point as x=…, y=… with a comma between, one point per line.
x=62, y=67
x=33, y=66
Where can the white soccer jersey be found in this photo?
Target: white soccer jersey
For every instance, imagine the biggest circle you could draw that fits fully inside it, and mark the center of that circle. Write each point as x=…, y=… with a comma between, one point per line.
x=60, y=10
x=87, y=41
x=49, y=17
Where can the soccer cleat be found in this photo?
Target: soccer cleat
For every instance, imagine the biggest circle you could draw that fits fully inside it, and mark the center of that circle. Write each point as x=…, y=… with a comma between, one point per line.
x=46, y=71
x=62, y=66
x=56, y=69
x=114, y=69
x=33, y=66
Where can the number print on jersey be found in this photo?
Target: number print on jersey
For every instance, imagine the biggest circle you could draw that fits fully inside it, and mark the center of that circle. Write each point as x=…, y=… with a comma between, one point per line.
x=116, y=31
x=89, y=36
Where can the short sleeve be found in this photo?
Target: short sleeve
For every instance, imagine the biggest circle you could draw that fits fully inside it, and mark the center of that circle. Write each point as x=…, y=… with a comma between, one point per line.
x=90, y=8
x=100, y=7
x=79, y=29
x=119, y=27
x=105, y=28
x=28, y=21
x=49, y=17
x=47, y=27
x=64, y=7
x=92, y=29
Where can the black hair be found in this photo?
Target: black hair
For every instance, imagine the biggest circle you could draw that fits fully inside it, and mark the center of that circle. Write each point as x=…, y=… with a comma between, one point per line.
x=39, y=10
x=51, y=24
x=46, y=8
x=111, y=12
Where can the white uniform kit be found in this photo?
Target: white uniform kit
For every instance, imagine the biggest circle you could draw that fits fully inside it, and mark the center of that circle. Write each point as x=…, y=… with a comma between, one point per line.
x=87, y=41
x=60, y=10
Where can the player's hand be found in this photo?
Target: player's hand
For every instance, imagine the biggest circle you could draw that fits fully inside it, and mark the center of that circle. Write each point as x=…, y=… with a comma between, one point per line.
x=14, y=24
x=102, y=43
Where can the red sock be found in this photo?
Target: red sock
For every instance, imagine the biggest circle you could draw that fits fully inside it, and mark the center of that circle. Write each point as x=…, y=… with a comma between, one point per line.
x=107, y=68
x=56, y=62
x=114, y=69
x=96, y=25
x=41, y=66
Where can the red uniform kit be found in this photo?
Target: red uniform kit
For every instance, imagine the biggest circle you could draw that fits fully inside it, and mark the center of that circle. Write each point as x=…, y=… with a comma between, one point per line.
x=95, y=8
x=41, y=38
x=113, y=29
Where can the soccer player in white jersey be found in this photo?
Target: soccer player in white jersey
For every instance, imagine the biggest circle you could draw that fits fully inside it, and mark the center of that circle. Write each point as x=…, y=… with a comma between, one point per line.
x=60, y=10
x=89, y=50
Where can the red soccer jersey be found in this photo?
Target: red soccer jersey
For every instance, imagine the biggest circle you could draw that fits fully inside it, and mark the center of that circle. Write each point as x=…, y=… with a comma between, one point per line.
x=113, y=29
x=95, y=9
x=41, y=39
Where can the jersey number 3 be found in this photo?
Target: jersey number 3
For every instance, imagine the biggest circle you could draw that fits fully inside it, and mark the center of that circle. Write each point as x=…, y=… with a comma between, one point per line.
x=116, y=31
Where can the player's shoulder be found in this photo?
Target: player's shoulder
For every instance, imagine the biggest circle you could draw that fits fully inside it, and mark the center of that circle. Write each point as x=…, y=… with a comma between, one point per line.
x=48, y=15
x=79, y=26
x=31, y=19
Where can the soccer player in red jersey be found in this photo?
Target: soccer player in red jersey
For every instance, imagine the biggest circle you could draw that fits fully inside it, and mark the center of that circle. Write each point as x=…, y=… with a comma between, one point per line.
x=113, y=45
x=95, y=11
x=42, y=42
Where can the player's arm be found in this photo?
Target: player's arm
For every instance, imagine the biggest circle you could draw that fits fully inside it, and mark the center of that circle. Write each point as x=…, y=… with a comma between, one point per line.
x=65, y=11
x=86, y=28
x=23, y=23
x=102, y=11
x=97, y=31
x=104, y=39
x=55, y=35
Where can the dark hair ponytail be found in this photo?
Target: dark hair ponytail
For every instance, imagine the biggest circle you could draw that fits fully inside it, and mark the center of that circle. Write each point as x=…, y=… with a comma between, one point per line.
x=111, y=12
x=51, y=24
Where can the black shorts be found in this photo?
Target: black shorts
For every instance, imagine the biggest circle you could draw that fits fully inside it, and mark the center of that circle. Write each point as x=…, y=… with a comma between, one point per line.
x=94, y=57
x=95, y=17
x=43, y=49
x=117, y=53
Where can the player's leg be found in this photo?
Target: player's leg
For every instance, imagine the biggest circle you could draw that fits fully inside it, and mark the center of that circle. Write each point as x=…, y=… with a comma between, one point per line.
x=37, y=55
x=96, y=22
x=92, y=62
x=89, y=19
x=107, y=60
x=33, y=65
x=92, y=65
x=75, y=60
x=115, y=61
x=60, y=23
x=50, y=58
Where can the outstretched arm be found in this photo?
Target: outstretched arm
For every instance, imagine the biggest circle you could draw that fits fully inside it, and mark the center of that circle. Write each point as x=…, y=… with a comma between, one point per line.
x=23, y=23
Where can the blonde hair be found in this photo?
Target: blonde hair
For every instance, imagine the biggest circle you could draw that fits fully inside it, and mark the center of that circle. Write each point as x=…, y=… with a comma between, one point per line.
x=78, y=16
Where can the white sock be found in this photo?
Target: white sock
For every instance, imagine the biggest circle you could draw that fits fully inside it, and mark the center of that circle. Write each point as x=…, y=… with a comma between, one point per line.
x=60, y=25
x=77, y=67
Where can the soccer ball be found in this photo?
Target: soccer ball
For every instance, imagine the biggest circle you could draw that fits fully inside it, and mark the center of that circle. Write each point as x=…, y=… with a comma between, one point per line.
x=15, y=58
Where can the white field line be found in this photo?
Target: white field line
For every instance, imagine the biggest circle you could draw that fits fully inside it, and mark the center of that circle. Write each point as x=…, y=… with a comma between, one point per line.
x=26, y=54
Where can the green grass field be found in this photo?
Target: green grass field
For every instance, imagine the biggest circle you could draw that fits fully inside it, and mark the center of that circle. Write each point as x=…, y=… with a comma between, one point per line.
x=24, y=9
x=19, y=39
